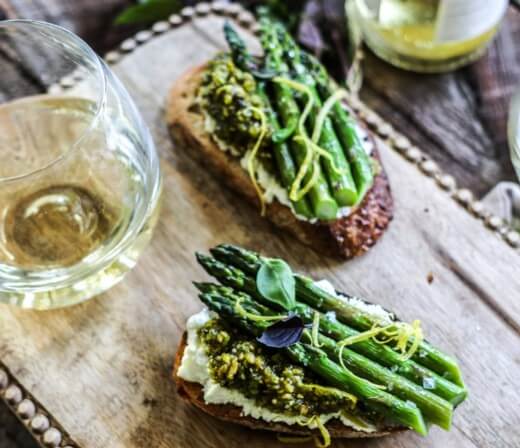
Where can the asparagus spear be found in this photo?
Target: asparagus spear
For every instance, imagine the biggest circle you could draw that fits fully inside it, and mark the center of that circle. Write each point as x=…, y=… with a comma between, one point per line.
x=223, y=301
x=324, y=205
x=337, y=169
x=285, y=102
x=345, y=127
x=315, y=297
x=283, y=158
x=241, y=57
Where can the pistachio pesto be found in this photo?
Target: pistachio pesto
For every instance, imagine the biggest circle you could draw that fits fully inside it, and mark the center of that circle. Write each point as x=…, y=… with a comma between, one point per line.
x=227, y=95
x=240, y=363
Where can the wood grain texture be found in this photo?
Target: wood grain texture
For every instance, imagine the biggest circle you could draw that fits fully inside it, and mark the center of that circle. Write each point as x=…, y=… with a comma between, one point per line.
x=103, y=368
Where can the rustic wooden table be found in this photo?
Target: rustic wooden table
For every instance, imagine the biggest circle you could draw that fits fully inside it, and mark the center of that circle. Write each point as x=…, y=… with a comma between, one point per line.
x=458, y=119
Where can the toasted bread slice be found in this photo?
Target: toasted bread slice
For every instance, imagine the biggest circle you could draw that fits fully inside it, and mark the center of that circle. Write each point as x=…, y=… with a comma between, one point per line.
x=348, y=236
x=193, y=393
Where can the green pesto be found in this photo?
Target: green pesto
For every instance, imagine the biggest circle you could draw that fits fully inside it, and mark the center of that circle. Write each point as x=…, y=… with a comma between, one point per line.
x=228, y=95
x=239, y=362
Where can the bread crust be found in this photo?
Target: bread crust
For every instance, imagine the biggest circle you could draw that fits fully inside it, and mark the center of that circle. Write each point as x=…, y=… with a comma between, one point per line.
x=193, y=393
x=347, y=237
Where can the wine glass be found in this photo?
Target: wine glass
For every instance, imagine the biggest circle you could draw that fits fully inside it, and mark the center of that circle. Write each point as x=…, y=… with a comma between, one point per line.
x=79, y=174
x=513, y=131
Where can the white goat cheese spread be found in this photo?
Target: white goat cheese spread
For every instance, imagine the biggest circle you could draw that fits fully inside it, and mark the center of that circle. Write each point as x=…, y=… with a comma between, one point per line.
x=374, y=310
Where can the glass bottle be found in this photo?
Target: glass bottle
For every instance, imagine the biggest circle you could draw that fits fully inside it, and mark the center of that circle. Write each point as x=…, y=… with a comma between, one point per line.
x=428, y=35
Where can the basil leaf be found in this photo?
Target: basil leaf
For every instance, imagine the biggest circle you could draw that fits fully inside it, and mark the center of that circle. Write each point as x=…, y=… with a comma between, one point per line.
x=148, y=11
x=283, y=333
x=275, y=282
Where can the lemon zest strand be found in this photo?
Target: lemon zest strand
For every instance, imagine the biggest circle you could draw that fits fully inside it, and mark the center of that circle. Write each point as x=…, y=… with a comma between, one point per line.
x=325, y=435
x=294, y=193
x=399, y=332
x=318, y=127
x=324, y=432
x=251, y=161
x=297, y=193
x=239, y=309
x=342, y=363
x=316, y=152
x=315, y=330
x=312, y=181
x=303, y=421
x=418, y=338
x=302, y=88
x=325, y=110
x=319, y=151
x=355, y=419
x=312, y=150
x=360, y=337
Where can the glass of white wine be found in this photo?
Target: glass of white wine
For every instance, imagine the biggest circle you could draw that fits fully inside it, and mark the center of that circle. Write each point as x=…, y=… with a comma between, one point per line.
x=79, y=174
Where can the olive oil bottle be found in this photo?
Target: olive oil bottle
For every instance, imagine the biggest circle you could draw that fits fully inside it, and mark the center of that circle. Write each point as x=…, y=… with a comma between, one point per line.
x=427, y=35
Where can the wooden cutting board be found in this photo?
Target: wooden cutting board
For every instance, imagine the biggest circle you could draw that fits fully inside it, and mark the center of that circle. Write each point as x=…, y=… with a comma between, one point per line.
x=99, y=374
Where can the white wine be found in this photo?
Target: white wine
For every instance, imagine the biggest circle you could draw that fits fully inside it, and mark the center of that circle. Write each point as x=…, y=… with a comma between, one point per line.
x=55, y=226
x=52, y=223
x=86, y=201
x=428, y=35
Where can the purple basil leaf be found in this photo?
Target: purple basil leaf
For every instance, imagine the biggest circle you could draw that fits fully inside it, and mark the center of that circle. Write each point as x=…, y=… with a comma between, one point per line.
x=283, y=333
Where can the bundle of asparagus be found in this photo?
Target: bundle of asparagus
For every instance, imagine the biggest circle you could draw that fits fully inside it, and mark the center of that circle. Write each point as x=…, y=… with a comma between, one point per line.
x=314, y=169
x=297, y=72
x=392, y=371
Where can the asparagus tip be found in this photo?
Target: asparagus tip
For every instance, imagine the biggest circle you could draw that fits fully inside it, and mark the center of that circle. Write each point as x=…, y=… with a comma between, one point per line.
x=202, y=258
x=204, y=287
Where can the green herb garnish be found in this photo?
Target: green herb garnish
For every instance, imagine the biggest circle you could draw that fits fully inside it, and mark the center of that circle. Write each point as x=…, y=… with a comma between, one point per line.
x=275, y=282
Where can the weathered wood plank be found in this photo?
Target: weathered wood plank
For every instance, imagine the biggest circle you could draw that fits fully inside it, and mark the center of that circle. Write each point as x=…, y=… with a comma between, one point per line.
x=103, y=368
